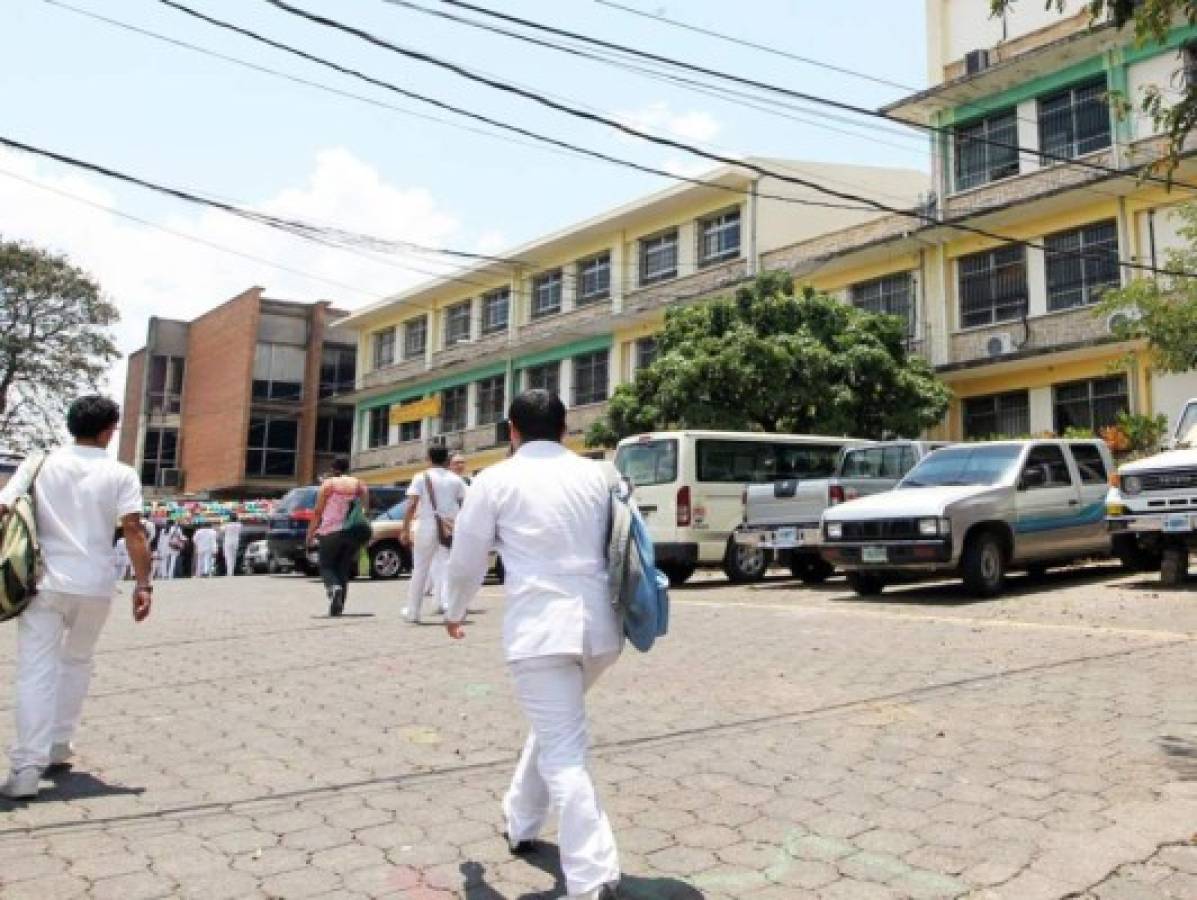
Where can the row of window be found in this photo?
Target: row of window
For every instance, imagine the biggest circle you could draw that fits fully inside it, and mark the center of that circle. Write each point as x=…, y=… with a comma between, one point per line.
x=1091, y=404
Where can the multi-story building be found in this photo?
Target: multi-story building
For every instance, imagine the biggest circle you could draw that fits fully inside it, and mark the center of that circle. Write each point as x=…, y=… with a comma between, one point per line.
x=575, y=311
x=1028, y=152
x=244, y=401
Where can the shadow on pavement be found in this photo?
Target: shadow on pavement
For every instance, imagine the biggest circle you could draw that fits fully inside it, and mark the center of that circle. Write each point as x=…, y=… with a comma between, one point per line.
x=67, y=784
x=1182, y=755
x=546, y=858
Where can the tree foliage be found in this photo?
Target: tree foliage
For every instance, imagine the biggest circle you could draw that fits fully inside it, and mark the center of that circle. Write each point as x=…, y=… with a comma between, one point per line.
x=771, y=360
x=1151, y=20
x=54, y=343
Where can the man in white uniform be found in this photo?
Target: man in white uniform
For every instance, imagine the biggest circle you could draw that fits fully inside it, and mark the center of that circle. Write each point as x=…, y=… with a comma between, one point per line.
x=231, y=535
x=170, y=545
x=120, y=559
x=80, y=493
x=434, y=492
x=205, y=551
x=546, y=511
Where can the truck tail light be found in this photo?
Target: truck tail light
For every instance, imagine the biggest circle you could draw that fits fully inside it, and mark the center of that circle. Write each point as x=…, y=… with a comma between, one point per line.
x=303, y=515
x=683, y=506
x=835, y=494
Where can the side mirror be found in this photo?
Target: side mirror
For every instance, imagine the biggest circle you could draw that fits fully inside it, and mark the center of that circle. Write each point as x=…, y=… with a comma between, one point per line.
x=1032, y=477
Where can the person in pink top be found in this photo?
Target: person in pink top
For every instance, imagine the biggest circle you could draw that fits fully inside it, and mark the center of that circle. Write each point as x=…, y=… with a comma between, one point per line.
x=339, y=544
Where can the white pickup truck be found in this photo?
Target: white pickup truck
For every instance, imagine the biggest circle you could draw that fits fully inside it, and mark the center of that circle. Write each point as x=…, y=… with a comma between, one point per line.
x=783, y=517
x=1152, y=507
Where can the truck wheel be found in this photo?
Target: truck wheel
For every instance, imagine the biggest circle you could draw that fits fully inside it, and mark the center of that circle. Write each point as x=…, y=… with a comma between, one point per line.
x=866, y=584
x=815, y=571
x=984, y=565
x=1174, y=566
x=1134, y=556
x=744, y=564
x=677, y=574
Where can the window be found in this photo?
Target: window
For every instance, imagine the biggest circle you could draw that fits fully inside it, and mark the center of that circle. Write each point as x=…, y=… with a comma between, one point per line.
x=993, y=286
x=271, y=448
x=334, y=433
x=1091, y=405
x=411, y=431
x=1075, y=121
x=594, y=279
x=496, y=307
x=457, y=324
x=166, y=385
x=590, y=378
x=645, y=353
x=658, y=257
x=546, y=294
x=545, y=378
x=455, y=409
x=745, y=462
x=648, y=462
x=378, y=427
x=877, y=462
x=891, y=296
x=415, y=337
x=1081, y=264
x=1090, y=464
x=384, y=348
x=987, y=150
x=160, y=451
x=997, y=416
x=338, y=368
x=490, y=400
x=278, y=372
x=719, y=237
x=1049, y=460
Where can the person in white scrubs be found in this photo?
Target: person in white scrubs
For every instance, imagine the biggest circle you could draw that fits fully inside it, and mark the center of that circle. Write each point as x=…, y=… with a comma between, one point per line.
x=546, y=511
x=175, y=542
x=120, y=559
x=435, y=492
x=231, y=539
x=205, y=551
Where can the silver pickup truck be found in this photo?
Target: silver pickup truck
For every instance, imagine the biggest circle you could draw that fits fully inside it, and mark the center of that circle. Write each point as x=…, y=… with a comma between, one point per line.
x=783, y=517
x=976, y=511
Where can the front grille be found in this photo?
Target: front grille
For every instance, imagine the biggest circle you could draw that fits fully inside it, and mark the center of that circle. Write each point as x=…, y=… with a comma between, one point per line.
x=882, y=530
x=1174, y=480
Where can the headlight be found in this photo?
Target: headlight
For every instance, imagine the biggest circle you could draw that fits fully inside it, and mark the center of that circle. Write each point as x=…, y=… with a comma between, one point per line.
x=1132, y=484
x=929, y=527
x=835, y=531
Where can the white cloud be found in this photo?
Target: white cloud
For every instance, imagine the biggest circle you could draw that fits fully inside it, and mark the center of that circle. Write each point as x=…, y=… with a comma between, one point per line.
x=686, y=167
x=659, y=118
x=148, y=272
x=492, y=243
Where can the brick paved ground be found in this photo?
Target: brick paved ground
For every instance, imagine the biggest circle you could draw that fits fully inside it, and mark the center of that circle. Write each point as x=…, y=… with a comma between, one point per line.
x=782, y=743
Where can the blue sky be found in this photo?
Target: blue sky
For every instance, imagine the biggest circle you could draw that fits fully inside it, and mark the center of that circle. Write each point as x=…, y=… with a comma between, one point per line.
x=89, y=90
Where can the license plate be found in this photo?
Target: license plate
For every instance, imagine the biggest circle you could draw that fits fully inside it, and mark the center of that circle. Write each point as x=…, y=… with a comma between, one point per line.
x=873, y=555
x=809, y=536
x=787, y=537
x=1176, y=523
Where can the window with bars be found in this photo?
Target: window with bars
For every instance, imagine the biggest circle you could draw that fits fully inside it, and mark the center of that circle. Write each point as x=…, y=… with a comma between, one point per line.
x=993, y=286
x=378, y=426
x=490, y=400
x=546, y=294
x=338, y=369
x=658, y=257
x=892, y=295
x=415, y=338
x=545, y=378
x=166, y=384
x=159, y=451
x=1075, y=121
x=384, y=348
x=271, y=448
x=1092, y=404
x=457, y=324
x=986, y=150
x=278, y=372
x=496, y=307
x=411, y=431
x=455, y=409
x=997, y=416
x=1081, y=263
x=719, y=237
x=594, y=279
x=590, y=377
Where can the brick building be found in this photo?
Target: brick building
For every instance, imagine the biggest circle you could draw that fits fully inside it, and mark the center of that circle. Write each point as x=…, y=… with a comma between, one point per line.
x=241, y=401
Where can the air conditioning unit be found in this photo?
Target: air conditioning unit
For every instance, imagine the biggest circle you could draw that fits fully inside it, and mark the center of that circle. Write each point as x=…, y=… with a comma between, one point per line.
x=437, y=440
x=999, y=345
x=1120, y=319
x=170, y=478
x=976, y=62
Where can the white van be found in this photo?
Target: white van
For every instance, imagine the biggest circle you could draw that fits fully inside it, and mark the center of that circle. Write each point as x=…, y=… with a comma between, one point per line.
x=689, y=486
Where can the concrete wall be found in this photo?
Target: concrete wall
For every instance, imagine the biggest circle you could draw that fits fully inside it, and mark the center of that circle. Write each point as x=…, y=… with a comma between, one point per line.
x=132, y=409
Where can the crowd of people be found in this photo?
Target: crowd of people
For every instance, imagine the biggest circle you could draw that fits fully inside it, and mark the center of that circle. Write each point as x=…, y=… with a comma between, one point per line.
x=171, y=549
x=544, y=510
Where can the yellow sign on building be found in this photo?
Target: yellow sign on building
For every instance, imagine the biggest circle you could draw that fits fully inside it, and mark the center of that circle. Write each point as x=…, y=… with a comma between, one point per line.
x=427, y=408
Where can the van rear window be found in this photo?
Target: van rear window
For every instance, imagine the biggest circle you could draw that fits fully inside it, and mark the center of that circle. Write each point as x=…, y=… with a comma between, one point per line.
x=757, y=462
x=648, y=462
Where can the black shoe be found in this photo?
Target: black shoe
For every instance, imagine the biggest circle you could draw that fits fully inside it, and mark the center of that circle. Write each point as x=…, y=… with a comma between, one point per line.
x=337, y=601
x=519, y=848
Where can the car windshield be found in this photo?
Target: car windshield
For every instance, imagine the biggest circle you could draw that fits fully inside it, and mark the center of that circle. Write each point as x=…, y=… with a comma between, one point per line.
x=395, y=512
x=964, y=465
x=648, y=462
x=1186, y=431
x=299, y=498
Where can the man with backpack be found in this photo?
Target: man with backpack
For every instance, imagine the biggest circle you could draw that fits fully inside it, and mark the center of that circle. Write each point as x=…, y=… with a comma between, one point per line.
x=78, y=493
x=547, y=511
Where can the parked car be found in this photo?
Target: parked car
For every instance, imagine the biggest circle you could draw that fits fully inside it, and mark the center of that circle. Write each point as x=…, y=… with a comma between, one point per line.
x=388, y=557
x=689, y=487
x=783, y=517
x=977, y=511
x=289, y=524
x=257, y=558
x=1153, y=505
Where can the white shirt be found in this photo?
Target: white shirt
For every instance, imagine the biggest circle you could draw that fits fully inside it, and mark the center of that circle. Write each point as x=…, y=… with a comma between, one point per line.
x=205, y=540
x=164, y=539
x=121, y=549
x=449, y=489
x=232, y=534
x=81, y=495
x=545, y=510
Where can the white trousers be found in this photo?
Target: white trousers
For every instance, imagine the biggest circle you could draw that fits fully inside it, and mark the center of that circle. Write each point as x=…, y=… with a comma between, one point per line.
x=167, y=562
x=203, y=562
x=551, y=774
x=427, y=557
x=56, y=642
x=230, y=559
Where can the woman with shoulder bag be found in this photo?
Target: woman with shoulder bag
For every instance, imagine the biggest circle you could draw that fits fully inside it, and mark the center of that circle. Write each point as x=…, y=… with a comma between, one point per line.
x=433, y=500
x=340, y=523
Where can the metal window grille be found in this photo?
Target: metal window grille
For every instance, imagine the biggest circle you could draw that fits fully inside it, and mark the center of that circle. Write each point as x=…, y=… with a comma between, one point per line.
x=594, y=279
x=997, y=416
x=545, y=378
x=658, y=258
x=719, y=237
x=454, y=409
x=590, y=377
x=890, y=296
x=490, y=400
x=457, y=324
x=993, y=286
x=495, y=310
x=546, y=294
x=1081, y=263
x=415, y=338
x=987, y=150
x=1091, y=404
x=1075, y=121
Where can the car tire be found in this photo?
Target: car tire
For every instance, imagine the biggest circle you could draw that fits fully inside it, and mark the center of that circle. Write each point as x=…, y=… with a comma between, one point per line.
x=866, y=584
x=816, y=571
x=984, y=565
x=677, y=574
x=744, y=564
x=1134, y=556
x=386, y=561
x=1174, y=566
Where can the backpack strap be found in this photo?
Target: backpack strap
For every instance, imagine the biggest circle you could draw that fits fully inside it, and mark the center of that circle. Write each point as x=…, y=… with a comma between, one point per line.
x=431, y=492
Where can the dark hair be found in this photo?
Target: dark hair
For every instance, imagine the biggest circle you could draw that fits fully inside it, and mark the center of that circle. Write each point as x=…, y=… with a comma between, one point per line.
x=340, y=465
x=538, y=415
x=438, y=455
x=92, y=415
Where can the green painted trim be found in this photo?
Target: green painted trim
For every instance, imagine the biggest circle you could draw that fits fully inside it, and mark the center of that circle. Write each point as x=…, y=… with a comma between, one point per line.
x=1117, y=82
x=1175, y=39
x=431, y=387
x=565, y=351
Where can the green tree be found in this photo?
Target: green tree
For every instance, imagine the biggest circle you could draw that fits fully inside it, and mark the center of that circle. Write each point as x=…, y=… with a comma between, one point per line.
x=54, y=342
x=1152, y=20
x=771, y=360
